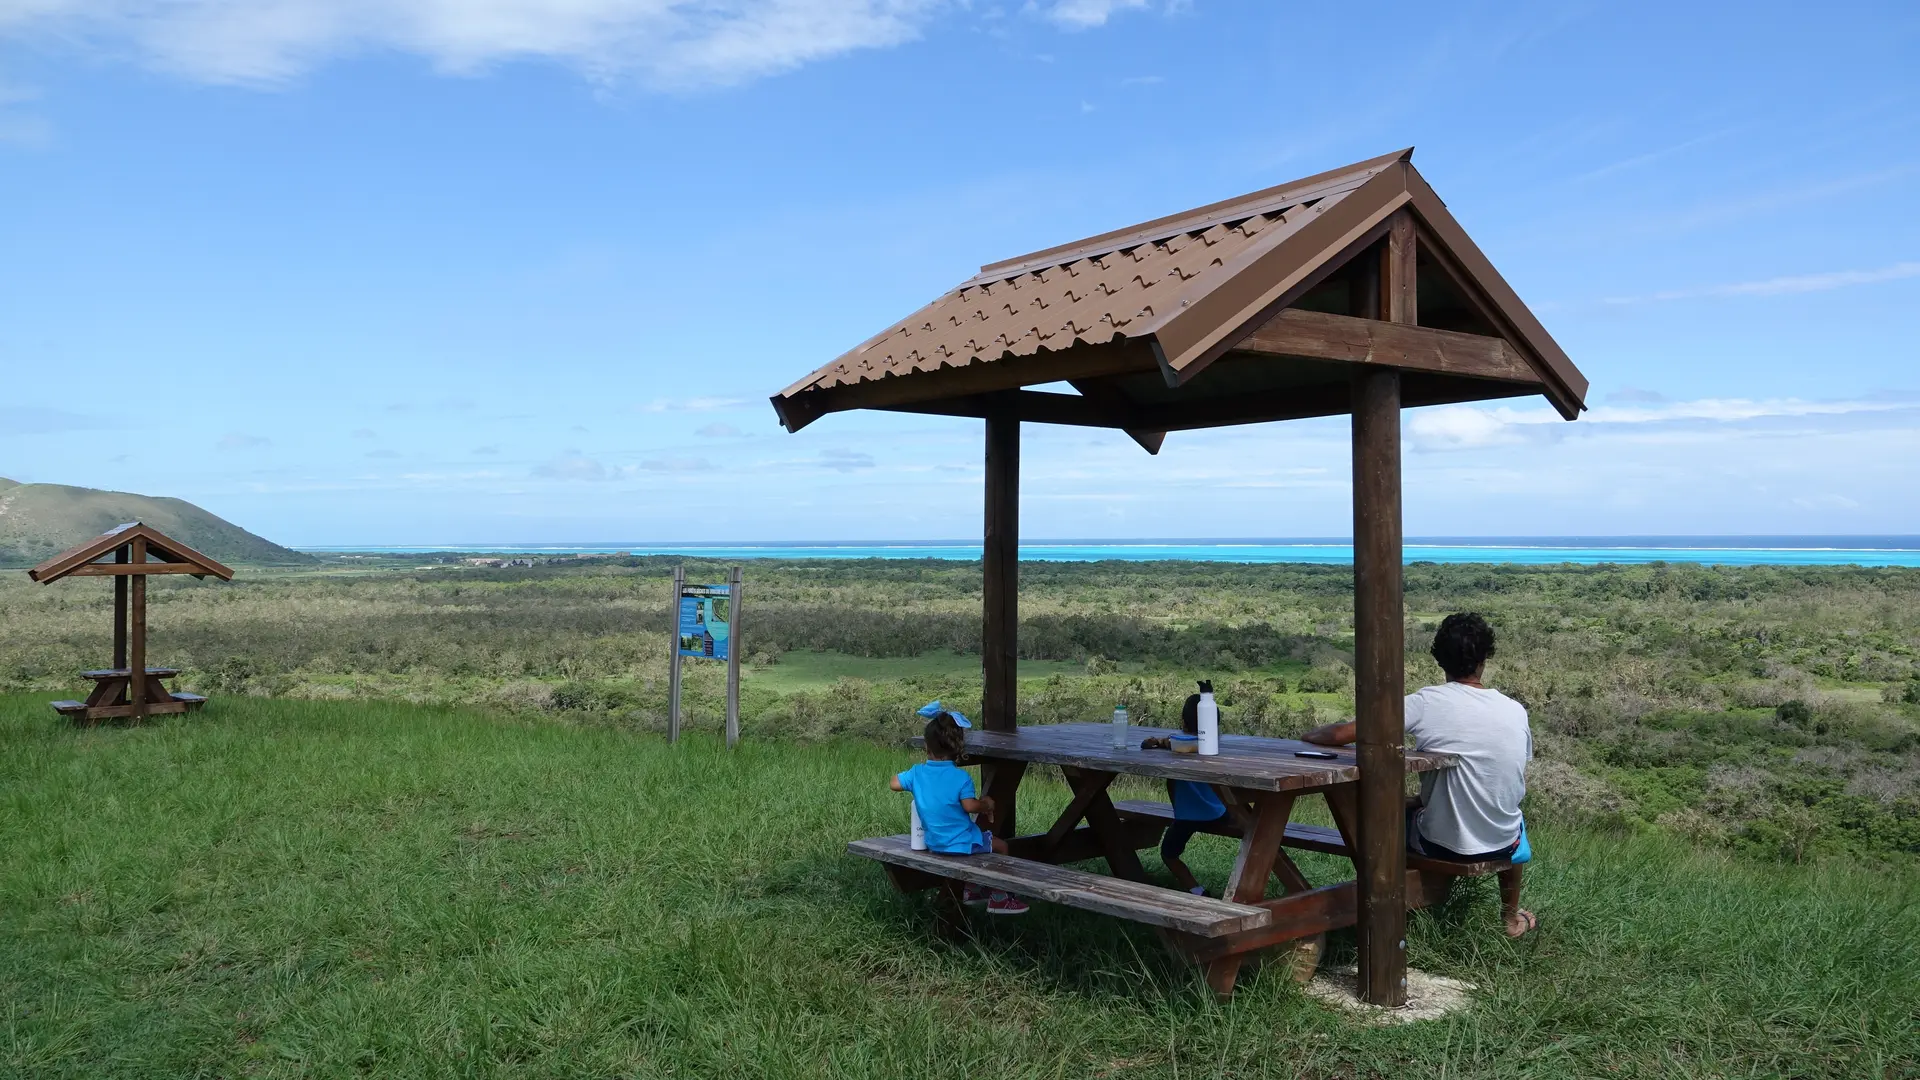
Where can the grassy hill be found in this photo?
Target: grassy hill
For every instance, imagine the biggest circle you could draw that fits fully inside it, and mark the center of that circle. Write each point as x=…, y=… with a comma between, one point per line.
x=300, y=888
x=40, y=520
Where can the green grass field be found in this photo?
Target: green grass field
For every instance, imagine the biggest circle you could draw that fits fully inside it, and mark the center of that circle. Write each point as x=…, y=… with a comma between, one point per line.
x=287, y=888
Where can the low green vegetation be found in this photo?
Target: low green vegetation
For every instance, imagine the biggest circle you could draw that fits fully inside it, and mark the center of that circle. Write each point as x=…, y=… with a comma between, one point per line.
x=317, y=889
x=1769, y=711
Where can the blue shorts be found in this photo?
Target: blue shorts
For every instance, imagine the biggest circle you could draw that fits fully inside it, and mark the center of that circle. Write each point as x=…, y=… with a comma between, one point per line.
x=1174, y=843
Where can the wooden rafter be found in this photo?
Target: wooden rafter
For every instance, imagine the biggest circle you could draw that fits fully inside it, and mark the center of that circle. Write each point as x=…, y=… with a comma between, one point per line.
x=177, y=557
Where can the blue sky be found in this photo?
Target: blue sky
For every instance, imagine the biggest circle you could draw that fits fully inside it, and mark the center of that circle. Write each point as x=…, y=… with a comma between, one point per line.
x=527, y=270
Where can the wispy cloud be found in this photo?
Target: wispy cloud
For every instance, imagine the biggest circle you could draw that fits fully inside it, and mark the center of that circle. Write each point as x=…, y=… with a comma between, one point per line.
x=1779, y=286
x=677, y=465
x=235, y=440
x=846, y=461
x=698, y=404
x=1466, y=427
x=34, y=420
x=19, y=127
x=1085, y=14
x=717, y=430
x=572, y=465
x=670, y=43
x=1650, y=156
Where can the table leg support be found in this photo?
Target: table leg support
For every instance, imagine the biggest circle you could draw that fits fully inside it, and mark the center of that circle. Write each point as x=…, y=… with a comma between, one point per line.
x=1105, y=822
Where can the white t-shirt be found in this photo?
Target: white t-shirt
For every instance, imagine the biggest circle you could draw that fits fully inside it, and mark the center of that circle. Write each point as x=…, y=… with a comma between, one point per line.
x=1475, y=806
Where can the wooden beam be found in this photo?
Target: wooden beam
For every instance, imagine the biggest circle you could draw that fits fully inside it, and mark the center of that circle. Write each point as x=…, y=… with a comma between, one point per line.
x=1399, y=274
x=1104, y=393
x=1379, y=647
x=137, y=631
x=1324, y=336
x=120, y=614
x=101, y=569
x=1000, y=571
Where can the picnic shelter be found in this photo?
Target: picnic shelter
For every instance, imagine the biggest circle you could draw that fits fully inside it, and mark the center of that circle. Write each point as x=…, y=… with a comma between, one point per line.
x=129, y=690
x=1352, y=292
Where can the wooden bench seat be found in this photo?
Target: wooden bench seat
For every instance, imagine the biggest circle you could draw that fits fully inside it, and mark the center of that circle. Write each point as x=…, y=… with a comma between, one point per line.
x=70, y=708
x=1322, y=838
x=1201, y=916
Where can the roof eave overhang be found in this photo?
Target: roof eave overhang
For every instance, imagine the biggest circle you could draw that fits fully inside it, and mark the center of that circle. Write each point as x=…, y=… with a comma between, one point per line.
x=178, y=555
x=1222, y=311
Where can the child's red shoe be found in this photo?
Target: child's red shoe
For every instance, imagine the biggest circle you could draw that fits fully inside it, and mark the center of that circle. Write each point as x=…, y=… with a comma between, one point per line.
x=1005, y=904
x=973, y=895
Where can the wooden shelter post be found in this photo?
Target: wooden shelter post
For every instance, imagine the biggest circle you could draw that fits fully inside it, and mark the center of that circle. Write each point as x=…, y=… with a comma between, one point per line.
x=137, y=646
x=120, y=613
x=1000, y=596
x=1379, y=637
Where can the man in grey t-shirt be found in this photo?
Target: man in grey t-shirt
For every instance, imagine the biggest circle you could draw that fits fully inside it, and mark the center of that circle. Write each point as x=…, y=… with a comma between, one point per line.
x=1470, y=812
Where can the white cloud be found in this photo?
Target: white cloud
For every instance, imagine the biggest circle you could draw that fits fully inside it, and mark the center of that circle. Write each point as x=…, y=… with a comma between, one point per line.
x=572, y=466
x=1779, y=286
x=673, y=43
x=235, y=440
x=1083, y=14
x=1465, y=427
x=718, y=430
x=1459, y=428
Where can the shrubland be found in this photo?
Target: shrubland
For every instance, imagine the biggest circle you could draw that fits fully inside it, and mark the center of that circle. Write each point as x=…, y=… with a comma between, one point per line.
x=1771, y=711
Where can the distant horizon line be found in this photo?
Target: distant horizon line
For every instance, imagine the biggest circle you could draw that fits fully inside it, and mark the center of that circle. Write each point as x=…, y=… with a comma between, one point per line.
x=1675, y=541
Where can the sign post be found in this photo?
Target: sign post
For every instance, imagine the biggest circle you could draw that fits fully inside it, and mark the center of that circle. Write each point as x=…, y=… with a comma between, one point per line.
x=706, y=621
x=733, y=658
x=673, y=662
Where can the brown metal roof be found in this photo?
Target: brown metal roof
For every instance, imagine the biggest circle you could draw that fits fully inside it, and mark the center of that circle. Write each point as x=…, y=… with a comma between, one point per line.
x=1176, y=293
x=169, y=556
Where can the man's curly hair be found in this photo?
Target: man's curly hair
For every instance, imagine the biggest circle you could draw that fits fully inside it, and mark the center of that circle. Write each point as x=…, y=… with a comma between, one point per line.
x=1462, y=644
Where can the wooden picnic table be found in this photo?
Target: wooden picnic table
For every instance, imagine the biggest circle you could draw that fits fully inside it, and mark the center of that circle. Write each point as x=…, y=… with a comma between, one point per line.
x=1260, y=780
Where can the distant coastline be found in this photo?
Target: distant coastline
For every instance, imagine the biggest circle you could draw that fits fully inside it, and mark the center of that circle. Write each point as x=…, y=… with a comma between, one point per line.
x=1879, y=550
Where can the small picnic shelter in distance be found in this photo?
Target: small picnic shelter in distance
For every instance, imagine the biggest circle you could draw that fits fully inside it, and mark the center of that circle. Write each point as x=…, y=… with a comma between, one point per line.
x=129, y=690
x=1350, y=292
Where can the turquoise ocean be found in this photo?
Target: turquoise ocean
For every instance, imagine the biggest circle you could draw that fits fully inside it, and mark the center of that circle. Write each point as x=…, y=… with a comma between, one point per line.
x=1535, y=551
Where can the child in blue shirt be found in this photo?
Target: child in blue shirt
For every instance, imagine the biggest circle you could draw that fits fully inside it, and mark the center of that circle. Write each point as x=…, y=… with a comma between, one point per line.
x=1194, y=805
x=943, y=793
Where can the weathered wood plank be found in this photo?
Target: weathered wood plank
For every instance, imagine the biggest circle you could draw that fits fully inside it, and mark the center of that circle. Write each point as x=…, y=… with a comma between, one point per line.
x=1000, y=573
x=1325, y=336
x=1379, y=669
x=1244, y=761
x=1106, y=824
x=150, y=708
x=121, y=673
x=135, y=569
x=1202, y=916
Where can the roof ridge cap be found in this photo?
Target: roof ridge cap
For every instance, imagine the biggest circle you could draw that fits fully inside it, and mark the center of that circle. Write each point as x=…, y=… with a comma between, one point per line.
x=1262, y=201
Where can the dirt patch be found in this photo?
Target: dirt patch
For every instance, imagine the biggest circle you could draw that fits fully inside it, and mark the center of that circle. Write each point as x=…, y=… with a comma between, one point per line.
x=1429, y=997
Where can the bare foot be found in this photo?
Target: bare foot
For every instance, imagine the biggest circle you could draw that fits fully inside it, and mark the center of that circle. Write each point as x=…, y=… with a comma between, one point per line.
x=1520, y=922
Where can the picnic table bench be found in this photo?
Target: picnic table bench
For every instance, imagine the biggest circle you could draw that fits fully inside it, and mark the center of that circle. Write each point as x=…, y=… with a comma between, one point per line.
x=1260, y=780
x=111, y=697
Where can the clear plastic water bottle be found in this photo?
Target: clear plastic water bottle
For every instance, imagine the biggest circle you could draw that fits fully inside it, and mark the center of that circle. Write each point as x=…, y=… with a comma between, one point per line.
x=916, y=832
x=1120, y=728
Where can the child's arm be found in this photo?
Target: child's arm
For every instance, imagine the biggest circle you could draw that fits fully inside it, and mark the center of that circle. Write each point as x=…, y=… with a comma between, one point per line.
x=893, y=784
x=982, y=806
